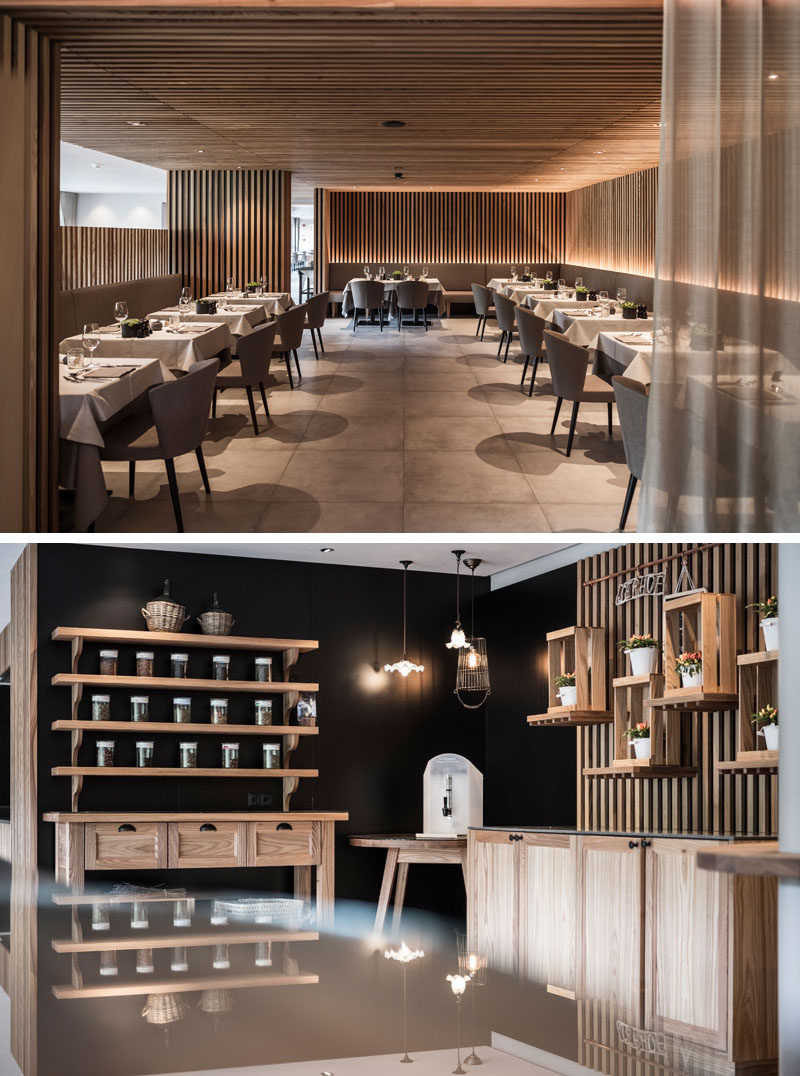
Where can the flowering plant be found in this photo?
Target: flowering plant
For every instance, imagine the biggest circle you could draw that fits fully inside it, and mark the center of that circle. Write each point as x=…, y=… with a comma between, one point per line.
x=768, y=609
x=767, y=715
x=640, y=642
x=690, y=662
x=640, y=731
x=565, y=680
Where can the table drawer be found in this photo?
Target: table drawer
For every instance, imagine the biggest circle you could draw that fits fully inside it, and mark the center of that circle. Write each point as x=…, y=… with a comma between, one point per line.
x=126, y=845
x=283, y=843
x=207, y=844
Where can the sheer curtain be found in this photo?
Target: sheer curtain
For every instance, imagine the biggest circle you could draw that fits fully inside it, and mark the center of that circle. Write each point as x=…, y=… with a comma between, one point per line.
x=723, y=451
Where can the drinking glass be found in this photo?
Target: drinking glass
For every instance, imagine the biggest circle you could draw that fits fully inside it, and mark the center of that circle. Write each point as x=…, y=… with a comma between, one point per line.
x=183, y=306
x=561, y=284
x=120, y=313
x=602, y=295
x=91, y=338
x=424, y=272
x=512, y=272
x=527, y=270
x=622, y=294
x=230, y=285
x=75, y=358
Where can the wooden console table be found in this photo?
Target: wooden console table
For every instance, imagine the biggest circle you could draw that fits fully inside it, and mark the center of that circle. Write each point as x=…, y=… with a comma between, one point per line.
x=402, y=849
x=142, y=840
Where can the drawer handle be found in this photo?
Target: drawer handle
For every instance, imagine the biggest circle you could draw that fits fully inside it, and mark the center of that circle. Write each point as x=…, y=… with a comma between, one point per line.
x=126, y=827
x=633, y=844
x=284, y=825
x=208, y=827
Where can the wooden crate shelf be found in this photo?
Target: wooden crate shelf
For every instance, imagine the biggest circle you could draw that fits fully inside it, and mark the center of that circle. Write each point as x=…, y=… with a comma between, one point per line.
x=690, y=699
x=195, y=727
x=571, y=715
x=177, y=985
x=640, y=768
x=582, y=651
x=705, y=623
x=189, y=941
x=220, y=643
x=758, y=687
x=172, y=683
x=173, y=771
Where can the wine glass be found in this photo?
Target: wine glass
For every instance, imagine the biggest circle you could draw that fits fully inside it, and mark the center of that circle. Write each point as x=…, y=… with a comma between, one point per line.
x=186, y=295
x=120, y=314
x=183, y=303
x=562, y=284
x=406, y=271
x=264, y=284
x=91, y=338
x=366, y=272
x=527, y=271
x=230, y=285
x=512, y=272
x=602, y=297
x=382, y=272
x=424, y=273
x=549, y=274
x=578, y=281
x=622, y=295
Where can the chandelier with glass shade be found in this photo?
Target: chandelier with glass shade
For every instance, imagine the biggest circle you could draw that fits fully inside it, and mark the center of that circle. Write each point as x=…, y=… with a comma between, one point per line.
x=404, y=666
x=458, y=638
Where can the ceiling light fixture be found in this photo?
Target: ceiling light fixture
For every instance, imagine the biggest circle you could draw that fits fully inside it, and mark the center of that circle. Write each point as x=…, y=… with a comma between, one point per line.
x=458, y=639
x=96, y=166
x=404, y=666
x=599, y=151
x=327, y=549
x=398, y=175
x=472, y=674
x=135, y=123
x=201, y=151
x=392, y=123
x=773, y=77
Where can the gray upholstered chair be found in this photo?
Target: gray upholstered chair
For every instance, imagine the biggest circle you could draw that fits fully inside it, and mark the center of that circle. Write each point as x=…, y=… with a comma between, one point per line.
x=531, y=333
x=368, y=295
x=505, y=321
x=632, y=399
x=291, y=324
x=316, y=312
x=482, y=298
x=412, y=295
x=175, y=424
x=249, y=369
x=572, y=381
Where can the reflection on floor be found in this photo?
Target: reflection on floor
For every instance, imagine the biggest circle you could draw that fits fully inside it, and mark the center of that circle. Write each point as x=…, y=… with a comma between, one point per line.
x=390, y=432
x=8, y=1066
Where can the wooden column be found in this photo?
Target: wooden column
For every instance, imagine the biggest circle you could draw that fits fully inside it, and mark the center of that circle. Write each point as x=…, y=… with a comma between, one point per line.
x=230, y=223
x=322, y=238
x=29, y=276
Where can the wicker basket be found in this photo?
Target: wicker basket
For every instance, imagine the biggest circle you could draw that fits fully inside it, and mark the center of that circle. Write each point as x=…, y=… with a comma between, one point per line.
x=215, y=622
x=216, y=1001
x=164, y=1009
x=164, y=616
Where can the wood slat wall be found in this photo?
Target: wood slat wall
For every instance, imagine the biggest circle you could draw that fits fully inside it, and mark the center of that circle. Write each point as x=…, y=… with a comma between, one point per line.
x=322, y=238
x=709, y=802
x=229, y=223
x=446, y=226
x=612, y=225
x=104, y=255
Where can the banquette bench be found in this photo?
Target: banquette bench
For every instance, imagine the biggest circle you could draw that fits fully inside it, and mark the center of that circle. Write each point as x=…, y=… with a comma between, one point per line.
x=81, y=306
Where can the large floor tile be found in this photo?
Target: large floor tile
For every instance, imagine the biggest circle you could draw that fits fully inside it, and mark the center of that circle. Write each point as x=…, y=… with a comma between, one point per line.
x=340, y=475
x=433, y=433
x=371, y=402
x=328, y=430
x=573, y=483
x=421, y=518
x=331, y=517
x=464, y=476
x=419, y=402
x=602, y=518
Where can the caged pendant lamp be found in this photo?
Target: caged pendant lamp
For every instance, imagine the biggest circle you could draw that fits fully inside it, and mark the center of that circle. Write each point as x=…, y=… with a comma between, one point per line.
x=472, y=675
x=404, y=666
x=458, y=638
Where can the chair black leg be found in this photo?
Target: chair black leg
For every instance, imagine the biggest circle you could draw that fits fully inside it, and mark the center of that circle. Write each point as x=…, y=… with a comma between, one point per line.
x=201, y=463
x=314, y=342
x=533, y=374
x=288, y=368
x=248, y=389
x=425, y=318
x=319, y=337
x=478, y=326
x=214, y=405
x=502, y=341
x=173, y=492
x=629, y=492
x=572, y=421
x=508, y=344
x=483, y=327
x=264, y=398
x=131, y=477
x=297, y=364
x=355, y=317
x=555, y=416
x=525, y=369
x=610, y=421
x=399, y=318
x=380, y=317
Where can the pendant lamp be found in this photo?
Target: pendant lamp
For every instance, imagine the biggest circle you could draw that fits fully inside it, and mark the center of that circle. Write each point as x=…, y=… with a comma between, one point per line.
x=472, y=675
x=404, y=666
x=458, y=639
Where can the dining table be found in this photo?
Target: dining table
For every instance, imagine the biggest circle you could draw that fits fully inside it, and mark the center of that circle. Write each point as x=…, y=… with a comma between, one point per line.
x=629, y=354
x=91, y=400
x=436, y=294
x=273, y=302
x=582, y=328
x=240, y=321
x=542, y=306
x=178, y=347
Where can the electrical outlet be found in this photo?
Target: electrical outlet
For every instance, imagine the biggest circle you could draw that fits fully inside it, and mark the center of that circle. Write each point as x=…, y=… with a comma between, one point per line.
x=259, y=799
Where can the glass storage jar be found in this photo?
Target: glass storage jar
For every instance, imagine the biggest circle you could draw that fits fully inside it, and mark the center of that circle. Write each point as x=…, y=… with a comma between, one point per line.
x=140, y=707
x=219, y=917
x=264, y=669
x=144, y=753
x=188, y=753
x=105, y=752
x=139, y=920
x=101, y=916
x=182, y=711
x=221, y=960
x=230, y=756
x=182, y=913
x=219, y=711
x=108, y=963
x=263, y=708
x=263, y=954
x=144, y=961
x=178, y=665
x=220, y=666
x=179, y=960
x=145, y=660
x=272, y=756
x=101, y=707
x=108, y=662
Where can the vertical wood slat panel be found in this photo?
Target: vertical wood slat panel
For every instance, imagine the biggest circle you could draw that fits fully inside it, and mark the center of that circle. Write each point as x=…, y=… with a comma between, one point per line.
x=709, y=802
x=229, y=223
x=446, y=226
x=612, y=225
x=92, y=256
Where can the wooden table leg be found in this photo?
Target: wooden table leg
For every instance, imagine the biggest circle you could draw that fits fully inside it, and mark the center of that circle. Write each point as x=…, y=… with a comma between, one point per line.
x=325, y=875
x=464, y=870
x=386, y=887
x=399, y=894
x=70, y=853
x=302, y=883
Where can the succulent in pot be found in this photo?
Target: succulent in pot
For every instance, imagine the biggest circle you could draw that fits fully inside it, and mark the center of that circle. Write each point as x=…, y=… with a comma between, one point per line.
x=206, y=306
x=398, y=274
x=639, y=736
x=689, y=666
x=769, y=621
x=629, y=310
x=550, y=285
x=766, y=723
x=643, y=653
x=581, y=291
x=567, y=689
x=135, y=328
x=252, y=286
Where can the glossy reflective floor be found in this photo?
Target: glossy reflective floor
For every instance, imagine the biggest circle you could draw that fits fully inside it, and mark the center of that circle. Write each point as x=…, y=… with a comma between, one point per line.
x=393, y=431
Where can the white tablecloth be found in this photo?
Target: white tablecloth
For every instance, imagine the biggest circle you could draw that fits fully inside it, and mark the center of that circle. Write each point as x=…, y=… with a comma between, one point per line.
x=436, y=295
x=274, y=302
x=543, y=307
x=498, y=283
x=177, y=350
x=628, y=353
x=240, y=322
x=583, y=330
x=522, y=293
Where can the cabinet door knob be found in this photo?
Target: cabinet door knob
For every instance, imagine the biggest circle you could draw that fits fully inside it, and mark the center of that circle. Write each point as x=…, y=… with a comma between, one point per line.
x=208, y=827
x=511, y=837
x=126, y=827
x=633, y=844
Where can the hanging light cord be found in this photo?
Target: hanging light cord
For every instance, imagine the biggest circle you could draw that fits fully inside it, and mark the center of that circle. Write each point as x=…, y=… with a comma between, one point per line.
x=458, y=588
x=405, y=577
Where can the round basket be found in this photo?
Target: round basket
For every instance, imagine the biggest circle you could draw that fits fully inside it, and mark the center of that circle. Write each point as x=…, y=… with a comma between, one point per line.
x=216, y=1001
x=164, y=1009
x=278, y=910
x=215, y=622
x=164, y=616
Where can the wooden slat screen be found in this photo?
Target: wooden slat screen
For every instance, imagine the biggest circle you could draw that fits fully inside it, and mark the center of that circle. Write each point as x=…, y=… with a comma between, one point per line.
x=446, y=226
x=105, y=255
x=709, y=802
x=229, y=223
x=322, y=237
x=612, y=225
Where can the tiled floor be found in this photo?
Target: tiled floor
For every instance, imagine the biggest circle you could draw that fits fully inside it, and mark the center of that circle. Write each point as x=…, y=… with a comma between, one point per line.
x=392, y=432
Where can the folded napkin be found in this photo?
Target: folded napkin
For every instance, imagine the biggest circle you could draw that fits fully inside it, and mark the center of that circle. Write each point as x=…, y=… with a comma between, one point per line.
x=636, y=338
x=107, y=373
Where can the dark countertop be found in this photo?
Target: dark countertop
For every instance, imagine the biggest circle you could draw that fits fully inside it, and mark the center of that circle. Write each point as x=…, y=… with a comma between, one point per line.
x=574, y=832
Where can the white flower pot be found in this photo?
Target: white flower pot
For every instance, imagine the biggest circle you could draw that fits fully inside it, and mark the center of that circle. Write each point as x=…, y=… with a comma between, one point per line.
x=770, y=734
x=643, y=660
x=641, y=747
x=568, y=695
x=694, y=679
x=770, y=629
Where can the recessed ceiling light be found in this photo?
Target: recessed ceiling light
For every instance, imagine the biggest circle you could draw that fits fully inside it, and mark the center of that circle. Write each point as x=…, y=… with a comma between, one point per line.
x=561, y=169
x=135, y=123
x=599, y=151
x=201, y=151
x=393, y=123
x=96, y=165
x=772, y=77
x=327, y=549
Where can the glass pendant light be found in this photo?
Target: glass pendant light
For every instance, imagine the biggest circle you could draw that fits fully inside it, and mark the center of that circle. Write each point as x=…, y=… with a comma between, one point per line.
x=404, y=667
x=472, y=674
x=458, y=638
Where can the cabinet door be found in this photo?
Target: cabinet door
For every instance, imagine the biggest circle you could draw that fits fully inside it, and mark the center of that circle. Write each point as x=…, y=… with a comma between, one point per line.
x=611, y=923
x=207, y=844
x=125, y=845
x=687, y=944
x=493, y=898
x=548, y=910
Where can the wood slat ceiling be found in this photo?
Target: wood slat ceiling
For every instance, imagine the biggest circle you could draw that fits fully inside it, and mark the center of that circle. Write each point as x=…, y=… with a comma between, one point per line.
x=497, y=97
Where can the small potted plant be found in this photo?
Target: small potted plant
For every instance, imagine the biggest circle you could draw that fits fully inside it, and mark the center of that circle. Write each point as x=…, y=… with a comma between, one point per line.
x=769, y=621
x=135, y=328
x=581, y=291
x=398, y=274
x=639, y=736
x=690, y=667
x=629, y=310
x=643, y=652
x=549, y=285
x=206, y=306
x=766, y=723
x=567, y=691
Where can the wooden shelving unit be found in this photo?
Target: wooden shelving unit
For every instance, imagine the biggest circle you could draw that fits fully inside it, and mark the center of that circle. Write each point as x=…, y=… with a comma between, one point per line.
x=701, y=702
x=571, y=715
x=758, y=687
x=188, y=941
x=582, y=650
x=705, y=623
x=174, y=771
x=751, y=762
x=166, y=638
x=196, y=728
x=178, y=986
x=640, y=768
x=170, y=683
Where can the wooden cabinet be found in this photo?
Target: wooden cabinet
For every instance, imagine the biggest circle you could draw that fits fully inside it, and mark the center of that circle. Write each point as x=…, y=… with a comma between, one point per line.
x=548, y=910
x=207, y=844
x=125, y=845
x=493, y=874
x=284, y=843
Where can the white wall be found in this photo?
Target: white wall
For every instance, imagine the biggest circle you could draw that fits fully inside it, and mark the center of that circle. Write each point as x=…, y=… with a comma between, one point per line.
x=120, y=211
